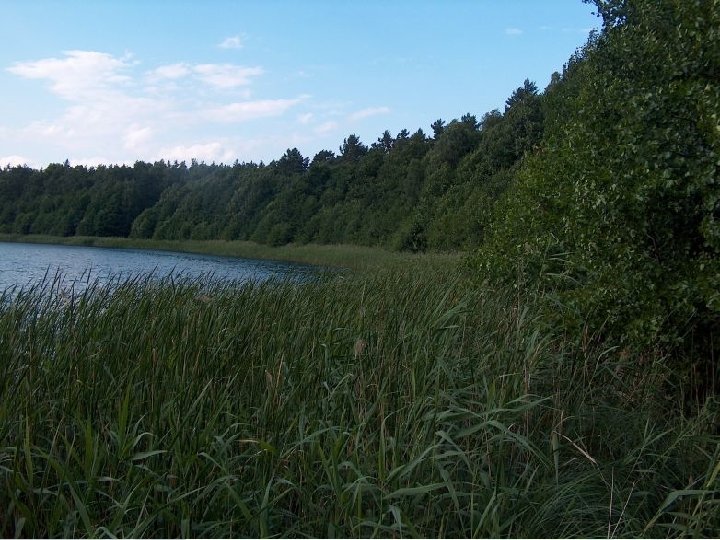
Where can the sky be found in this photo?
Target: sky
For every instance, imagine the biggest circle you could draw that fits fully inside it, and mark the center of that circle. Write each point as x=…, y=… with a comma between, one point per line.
x=112, y=82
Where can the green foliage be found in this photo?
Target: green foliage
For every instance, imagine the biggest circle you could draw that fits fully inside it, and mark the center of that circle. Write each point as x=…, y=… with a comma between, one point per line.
x=401, y=403
x=66, y=201
x=407, y=192
x=618, y=210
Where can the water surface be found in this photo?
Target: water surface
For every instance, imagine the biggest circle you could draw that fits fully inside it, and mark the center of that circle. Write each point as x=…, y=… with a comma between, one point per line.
x=23, y=265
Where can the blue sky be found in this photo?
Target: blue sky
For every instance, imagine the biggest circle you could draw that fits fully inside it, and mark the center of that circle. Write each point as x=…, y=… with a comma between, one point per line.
x=117, y=81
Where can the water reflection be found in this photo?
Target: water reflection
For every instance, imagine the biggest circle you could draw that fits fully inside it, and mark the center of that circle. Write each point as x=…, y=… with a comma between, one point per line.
x=26, y=265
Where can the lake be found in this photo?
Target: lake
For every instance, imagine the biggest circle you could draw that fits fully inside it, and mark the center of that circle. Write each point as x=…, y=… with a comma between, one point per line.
x=23, y=265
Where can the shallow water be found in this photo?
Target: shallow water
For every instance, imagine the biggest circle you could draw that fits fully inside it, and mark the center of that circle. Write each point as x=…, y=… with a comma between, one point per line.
x=25, y=265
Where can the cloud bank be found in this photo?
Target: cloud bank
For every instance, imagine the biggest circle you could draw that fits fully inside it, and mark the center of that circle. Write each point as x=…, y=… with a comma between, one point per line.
x=114, y=107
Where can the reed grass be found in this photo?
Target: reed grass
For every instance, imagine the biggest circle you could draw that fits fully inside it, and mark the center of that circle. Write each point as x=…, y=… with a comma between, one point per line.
x=387, y=404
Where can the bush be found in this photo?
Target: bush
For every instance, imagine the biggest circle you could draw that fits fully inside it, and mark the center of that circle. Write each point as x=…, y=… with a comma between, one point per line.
x=617, y=212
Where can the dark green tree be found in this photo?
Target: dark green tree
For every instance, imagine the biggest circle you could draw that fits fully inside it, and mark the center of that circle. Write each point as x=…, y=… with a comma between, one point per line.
x=352, y=149
x=292, y=162
x=618, y=211
x=438, y=126
x=384, y=143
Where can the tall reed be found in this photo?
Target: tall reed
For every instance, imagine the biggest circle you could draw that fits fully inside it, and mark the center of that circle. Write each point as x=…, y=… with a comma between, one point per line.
x=404, y=403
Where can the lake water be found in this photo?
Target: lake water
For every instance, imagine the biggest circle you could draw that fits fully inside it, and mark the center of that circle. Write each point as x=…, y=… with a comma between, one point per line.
x=23, y=265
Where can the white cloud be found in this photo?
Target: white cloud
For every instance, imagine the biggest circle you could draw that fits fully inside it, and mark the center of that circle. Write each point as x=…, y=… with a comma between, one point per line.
x=112, y=115
x=12, y=161
x=170, y=71
x=137, y=137
x=249, y=110
x=233, y=42
x=81, y=75
x=305, y=118
x=113, y=109
x=513, y=31
x=94, y=161
x=226, y=75
x=219, y=76
x=212, y=151
x=365, y=113
x=326, y=127
x=45, y=129
x=102, y=93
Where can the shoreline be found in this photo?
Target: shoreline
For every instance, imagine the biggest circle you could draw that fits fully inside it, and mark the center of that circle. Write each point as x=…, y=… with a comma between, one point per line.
x=357, y=258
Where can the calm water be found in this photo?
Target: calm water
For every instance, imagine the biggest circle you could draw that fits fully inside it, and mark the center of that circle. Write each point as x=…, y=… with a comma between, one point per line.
x=22, y=265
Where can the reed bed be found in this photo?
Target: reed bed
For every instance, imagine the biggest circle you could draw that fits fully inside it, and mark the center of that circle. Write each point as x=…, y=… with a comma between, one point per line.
x=404, y=403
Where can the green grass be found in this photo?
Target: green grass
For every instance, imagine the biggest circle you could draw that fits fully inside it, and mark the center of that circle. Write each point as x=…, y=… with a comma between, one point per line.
x=393, y=403
x=358, y=258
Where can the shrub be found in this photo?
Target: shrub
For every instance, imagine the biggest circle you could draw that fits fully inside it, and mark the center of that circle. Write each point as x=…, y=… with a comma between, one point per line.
x=617, y=211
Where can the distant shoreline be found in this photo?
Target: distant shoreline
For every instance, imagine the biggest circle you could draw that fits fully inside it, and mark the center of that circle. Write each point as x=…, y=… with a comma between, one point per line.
x=359, y=258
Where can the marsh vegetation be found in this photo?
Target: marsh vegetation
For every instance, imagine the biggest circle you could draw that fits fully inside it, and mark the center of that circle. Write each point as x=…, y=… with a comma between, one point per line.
x=398, y=403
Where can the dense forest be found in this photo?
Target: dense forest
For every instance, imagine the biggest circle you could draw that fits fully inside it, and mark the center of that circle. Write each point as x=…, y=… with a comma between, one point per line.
x=408, y=191
x=603, y=187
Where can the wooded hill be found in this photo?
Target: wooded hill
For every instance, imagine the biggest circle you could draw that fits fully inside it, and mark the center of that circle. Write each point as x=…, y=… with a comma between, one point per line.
x=408, y=191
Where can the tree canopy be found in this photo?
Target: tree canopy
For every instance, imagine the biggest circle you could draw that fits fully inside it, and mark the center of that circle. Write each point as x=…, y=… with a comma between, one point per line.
x=617, y=209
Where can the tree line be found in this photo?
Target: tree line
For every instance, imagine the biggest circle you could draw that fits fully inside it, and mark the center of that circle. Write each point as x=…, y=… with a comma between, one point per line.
x=404, y=191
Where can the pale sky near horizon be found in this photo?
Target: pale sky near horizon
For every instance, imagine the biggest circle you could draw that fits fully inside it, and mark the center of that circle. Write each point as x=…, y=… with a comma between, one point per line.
x=110, y=81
